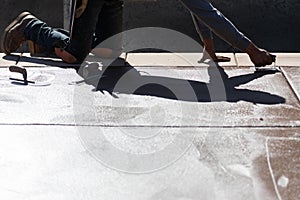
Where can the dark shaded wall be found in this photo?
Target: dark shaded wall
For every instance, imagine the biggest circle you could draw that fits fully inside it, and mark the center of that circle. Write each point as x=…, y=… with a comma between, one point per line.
x=272, y=24
x=50, y=11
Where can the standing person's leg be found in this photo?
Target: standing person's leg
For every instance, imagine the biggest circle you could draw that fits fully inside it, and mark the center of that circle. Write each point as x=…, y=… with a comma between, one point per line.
x=222, y=27
x=217, y=22
x=110, y=23
x=206, y=36
x=203, y=31
x=83, y=30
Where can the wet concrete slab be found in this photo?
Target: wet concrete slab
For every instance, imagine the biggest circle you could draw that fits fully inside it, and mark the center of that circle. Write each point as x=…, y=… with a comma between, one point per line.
x=283, y=161
x=147, y=97
x=37, y=104
x=150, y=132
x=292, y=75
x=257, y=101
x=57, y=162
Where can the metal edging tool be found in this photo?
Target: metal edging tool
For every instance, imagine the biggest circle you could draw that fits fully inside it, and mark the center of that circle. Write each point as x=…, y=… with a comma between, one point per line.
x=21, y=70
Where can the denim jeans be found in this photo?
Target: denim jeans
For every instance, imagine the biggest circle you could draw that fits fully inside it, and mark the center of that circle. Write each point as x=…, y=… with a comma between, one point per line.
x=101, y=20
x=208, y=18
x=203, y=31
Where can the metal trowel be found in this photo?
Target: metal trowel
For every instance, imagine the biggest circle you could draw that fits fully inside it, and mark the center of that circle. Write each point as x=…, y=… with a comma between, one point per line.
x=23, y=72
x=36, y=78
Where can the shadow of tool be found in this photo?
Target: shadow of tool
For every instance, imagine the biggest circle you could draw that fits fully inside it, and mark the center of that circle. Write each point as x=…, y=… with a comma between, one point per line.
x=125, y=79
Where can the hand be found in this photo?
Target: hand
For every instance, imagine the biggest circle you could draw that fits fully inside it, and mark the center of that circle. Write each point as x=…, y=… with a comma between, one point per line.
x=259, y=57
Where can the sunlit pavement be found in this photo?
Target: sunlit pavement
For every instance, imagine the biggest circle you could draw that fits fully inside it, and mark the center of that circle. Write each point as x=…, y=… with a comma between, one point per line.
x=166, y=127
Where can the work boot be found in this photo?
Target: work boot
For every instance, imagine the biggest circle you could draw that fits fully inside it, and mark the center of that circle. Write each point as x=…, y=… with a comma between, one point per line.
x=14, y=36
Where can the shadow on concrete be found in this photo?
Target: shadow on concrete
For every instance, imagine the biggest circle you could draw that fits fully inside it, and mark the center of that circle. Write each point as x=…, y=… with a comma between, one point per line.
x=121, y=77
x=42, y=61
x=124, y=78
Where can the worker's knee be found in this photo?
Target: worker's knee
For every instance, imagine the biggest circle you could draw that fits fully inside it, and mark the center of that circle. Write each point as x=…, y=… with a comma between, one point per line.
x=65, y=56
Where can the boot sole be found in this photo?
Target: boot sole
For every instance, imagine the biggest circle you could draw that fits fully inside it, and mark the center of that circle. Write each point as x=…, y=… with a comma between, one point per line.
x=8, y=28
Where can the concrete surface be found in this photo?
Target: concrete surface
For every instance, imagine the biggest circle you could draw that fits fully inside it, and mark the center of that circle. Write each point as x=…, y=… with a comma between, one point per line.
x=168, y=132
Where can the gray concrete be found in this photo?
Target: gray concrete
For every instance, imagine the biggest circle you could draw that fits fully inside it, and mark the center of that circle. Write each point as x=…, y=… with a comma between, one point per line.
x=64, y=140
x=51, y=162
x=293, y=78
x=252, y=98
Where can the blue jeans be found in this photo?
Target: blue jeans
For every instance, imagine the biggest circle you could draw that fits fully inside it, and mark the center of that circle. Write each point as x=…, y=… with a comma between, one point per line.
x=208, y=19
x=101, y=20
x=203, y=31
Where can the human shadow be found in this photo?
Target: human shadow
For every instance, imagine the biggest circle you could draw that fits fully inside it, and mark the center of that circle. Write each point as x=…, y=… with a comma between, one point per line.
x=125, y=79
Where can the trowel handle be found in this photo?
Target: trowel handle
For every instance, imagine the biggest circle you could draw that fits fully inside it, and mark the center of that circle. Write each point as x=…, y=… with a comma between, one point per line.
x=20, y=70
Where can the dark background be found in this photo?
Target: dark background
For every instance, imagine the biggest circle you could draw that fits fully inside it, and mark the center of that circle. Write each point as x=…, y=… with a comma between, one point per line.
x=271, y=24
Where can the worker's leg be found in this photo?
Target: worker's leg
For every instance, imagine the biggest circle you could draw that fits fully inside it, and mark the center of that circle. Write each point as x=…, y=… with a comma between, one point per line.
x=83, y=30
x=217, y=23
x=28, y=27
x=110, y=22
x=222, y=27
